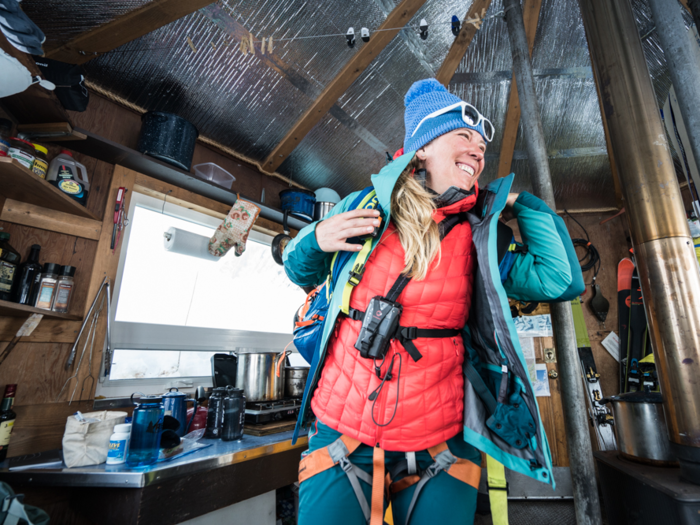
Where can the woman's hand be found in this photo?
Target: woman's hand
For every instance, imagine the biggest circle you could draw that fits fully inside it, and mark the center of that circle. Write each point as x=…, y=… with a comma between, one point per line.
x=332, y=234
x=507, y=213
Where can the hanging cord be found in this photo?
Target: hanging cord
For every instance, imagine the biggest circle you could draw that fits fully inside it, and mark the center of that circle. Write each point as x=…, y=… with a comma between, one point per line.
x=591, y=259
x=387, y=377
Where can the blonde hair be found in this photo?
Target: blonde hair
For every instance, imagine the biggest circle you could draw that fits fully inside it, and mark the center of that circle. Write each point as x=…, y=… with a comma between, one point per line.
x=412, y=212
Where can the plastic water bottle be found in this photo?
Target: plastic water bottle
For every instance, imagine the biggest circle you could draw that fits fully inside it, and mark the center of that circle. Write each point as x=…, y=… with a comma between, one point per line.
x=146, y=428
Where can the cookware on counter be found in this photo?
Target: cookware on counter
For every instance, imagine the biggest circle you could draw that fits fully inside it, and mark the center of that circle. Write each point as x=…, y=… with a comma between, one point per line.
x=279, y=243
x=295, y=381
x=261, y=375
x=175, y=404
x=640, y=427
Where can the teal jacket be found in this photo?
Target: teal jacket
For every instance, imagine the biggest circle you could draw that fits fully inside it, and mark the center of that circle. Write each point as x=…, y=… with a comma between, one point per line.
x=501, y=416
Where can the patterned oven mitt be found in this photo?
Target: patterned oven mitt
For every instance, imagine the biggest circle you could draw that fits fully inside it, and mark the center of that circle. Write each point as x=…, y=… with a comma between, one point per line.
x=234, y=230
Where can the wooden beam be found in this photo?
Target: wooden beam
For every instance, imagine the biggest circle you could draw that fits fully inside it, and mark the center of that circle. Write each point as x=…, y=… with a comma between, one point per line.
x=461, y=43
x=367, y=52
x=531, y=14
x=46, y=219
x=132, y=25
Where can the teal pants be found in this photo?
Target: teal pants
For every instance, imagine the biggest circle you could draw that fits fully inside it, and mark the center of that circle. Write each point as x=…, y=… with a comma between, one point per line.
x=328, y=497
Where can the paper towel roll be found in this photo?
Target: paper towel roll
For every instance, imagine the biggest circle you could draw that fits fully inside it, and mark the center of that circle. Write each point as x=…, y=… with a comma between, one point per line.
x=187, y=243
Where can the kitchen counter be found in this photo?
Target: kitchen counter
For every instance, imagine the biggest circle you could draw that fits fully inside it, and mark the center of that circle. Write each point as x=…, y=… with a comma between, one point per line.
x=220, y=454
x=166, y=493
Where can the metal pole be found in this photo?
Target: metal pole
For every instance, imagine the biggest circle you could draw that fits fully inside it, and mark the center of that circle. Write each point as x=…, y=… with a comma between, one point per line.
x=683, y=59
x=578, y=438
x=663, y=248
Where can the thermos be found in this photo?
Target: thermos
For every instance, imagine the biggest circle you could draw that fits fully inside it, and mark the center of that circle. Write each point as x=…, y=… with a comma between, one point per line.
x=175, y=403
x=146, y=428
x=234, y=414
x=215, y=414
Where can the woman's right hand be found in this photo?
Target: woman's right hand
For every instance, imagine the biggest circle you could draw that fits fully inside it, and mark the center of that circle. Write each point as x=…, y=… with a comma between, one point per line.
x=332, y=234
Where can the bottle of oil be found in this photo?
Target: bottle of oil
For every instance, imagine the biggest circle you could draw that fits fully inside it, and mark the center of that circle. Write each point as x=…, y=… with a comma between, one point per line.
x=28, y=277
x=9, y=260
x=7, y=419
x=69, y=176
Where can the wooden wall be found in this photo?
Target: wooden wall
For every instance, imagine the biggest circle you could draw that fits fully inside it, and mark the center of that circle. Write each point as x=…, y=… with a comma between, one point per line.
x=37, y=362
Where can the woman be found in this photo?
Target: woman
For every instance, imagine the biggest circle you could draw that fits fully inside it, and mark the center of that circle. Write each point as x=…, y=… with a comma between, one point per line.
x=412, y=413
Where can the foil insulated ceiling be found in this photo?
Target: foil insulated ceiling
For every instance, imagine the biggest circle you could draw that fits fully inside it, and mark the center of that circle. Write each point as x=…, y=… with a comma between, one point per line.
x=249, y=102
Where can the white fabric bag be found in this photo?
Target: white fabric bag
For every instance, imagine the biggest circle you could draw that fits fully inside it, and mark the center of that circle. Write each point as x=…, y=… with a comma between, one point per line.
x=88, y=443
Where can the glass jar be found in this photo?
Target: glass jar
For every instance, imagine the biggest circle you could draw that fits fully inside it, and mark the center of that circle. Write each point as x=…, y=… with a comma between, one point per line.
x=22, y=151
x=146, y=428
x=234, y=414
x=64, y=289
x=5, y=134
x=9, y=260
x=41, y=161
x=215, y=414
x=47, y=286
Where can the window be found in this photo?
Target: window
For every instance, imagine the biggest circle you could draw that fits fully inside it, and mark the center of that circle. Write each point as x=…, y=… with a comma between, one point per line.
x=173, y=311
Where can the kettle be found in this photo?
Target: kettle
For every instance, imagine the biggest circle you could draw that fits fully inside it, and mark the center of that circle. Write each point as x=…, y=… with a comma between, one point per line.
x=175, y=404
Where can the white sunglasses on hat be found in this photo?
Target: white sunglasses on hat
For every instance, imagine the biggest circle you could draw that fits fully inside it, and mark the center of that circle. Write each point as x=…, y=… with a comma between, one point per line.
x=471, y=117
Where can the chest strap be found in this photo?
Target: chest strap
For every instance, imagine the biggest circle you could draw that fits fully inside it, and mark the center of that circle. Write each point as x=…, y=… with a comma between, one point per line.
x=406, y=334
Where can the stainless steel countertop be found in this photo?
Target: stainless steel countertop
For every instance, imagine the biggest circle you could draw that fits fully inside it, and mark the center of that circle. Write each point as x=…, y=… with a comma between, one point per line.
x=220, y=454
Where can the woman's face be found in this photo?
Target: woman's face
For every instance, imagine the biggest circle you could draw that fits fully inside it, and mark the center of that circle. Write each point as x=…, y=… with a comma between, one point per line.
x=453, y=159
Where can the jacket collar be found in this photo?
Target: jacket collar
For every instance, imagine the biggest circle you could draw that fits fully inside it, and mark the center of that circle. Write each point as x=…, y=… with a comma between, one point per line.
x=385, y=180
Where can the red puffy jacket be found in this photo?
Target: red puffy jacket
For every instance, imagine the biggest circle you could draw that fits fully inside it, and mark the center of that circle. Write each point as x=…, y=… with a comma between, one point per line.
x=431, y=390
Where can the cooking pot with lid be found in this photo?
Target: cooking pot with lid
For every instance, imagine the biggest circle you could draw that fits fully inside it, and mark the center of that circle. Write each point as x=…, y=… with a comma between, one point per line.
x=295, y=381
x=261, y=375
x=640, y=427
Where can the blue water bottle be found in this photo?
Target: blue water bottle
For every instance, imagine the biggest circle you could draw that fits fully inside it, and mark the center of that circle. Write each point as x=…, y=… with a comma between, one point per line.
x=146, y=428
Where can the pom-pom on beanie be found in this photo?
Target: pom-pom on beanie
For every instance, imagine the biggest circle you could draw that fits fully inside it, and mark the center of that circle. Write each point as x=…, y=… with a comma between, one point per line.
x=423, y=98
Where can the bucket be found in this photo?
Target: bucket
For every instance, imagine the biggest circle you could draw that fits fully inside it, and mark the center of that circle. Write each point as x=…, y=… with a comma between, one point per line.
x=167, y=137
x=298, y=202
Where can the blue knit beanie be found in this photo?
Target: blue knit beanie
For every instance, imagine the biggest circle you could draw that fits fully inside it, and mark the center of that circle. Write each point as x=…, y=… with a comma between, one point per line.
x=423, y=98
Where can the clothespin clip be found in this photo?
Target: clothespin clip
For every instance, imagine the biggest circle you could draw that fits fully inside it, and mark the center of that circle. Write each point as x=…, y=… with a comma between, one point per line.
x=269, y=45
x=364, y=33
x=191, y=44
x=423, y=29
x=456, y=26
x=262, y=46
x=213, y=46
x=250, y=43
x=350, y=37
x=244, y=46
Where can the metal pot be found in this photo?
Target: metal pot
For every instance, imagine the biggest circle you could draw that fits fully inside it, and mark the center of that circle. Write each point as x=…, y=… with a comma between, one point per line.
x=321, y=209
x=167, y=137
x=295, y=381
x=261, y=375
x=640, y=427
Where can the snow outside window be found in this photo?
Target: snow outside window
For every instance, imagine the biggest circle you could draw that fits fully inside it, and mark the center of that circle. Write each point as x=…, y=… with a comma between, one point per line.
x=173, y=311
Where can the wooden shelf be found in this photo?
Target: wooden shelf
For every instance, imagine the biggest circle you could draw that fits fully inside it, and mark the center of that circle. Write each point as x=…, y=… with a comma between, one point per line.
x=10, y=309
x=20, y=184
x=114, y=153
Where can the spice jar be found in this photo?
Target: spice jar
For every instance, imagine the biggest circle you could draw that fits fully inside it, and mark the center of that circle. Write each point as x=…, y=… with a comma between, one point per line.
x=23, y=151
x=47, y=286
x=64, y=289
x=9, y=260
x=41, y=162
x=5, y=134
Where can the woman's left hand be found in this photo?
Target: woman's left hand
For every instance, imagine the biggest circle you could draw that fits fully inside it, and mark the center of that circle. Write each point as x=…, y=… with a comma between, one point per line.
x=507, y=213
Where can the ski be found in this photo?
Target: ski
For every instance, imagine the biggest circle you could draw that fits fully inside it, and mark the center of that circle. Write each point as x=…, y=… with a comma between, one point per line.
x=624, y=282
x=600, y=417
x=636, y=342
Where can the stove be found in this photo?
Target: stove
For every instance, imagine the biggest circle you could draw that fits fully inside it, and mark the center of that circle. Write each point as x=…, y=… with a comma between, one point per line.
x=266, y=411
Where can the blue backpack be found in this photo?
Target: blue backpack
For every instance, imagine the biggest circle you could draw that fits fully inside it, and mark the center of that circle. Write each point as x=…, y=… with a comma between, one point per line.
x=309, y=319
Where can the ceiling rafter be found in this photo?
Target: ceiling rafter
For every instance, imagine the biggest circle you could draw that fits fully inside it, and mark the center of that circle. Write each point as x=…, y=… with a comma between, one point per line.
x=238, y=32
x=364, y=56
x=124, y=29
x=461, y=43
x=531, y=15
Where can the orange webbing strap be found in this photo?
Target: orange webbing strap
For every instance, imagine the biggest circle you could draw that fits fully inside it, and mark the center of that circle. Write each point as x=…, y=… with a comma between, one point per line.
x=320, y=460
x=377, y=487
x=462, y=469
